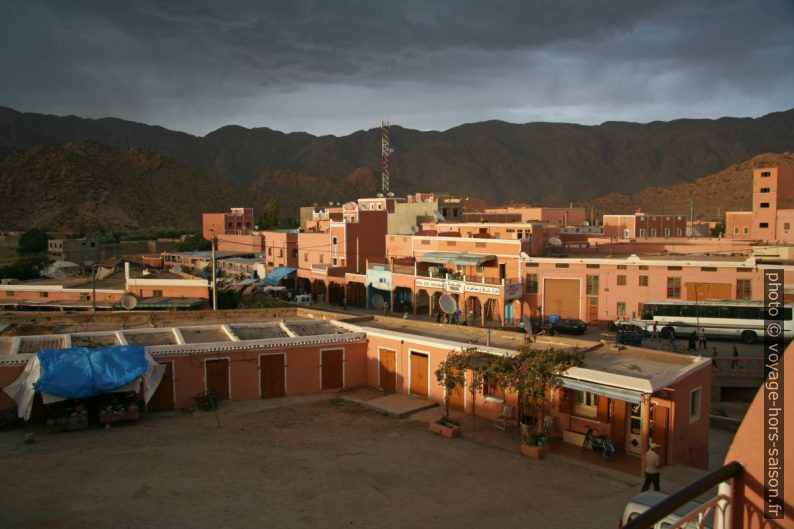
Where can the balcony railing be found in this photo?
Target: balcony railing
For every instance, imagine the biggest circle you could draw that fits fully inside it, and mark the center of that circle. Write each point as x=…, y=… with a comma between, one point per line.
x=727, y=509
x=738, y=365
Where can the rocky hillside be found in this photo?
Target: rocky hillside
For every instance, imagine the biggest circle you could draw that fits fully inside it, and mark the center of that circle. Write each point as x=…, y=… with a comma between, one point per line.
x=85, y=184
x=712, y=195
x=536, y=162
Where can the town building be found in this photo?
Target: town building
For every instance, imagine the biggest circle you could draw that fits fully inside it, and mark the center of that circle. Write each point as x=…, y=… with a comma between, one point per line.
x=636, y=396
x=772, y=215
x=570, y=216
x=644, y=225
x=85, y=251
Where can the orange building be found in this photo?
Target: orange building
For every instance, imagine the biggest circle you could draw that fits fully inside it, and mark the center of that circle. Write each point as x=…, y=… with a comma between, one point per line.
x=773, y=208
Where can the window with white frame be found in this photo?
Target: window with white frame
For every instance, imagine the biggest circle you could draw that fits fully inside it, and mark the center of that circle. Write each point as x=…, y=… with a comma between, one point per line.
x=586, y=404
x=694, y=405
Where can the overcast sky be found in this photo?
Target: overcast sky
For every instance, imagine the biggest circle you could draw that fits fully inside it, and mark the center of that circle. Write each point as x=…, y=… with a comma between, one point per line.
x=333, y=66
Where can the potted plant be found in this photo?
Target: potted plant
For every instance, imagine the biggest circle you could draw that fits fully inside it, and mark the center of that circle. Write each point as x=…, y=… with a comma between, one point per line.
x=536, y=446
x=451, y=375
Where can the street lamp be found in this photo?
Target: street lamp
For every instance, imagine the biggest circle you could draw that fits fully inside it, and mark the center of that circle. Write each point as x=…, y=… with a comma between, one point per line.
x=94, y=268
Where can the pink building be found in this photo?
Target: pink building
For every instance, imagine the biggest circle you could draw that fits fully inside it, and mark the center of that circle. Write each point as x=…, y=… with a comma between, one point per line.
x=571, y=216
x=239, y=221
x=773, y=208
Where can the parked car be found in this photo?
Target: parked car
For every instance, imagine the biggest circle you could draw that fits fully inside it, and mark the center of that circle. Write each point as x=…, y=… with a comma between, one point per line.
x=645, y=500
x=569, y=326
x=303, y=299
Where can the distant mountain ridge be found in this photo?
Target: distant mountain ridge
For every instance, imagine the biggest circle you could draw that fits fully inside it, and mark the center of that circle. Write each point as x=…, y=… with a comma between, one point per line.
x=542, y=163
x=711, y=196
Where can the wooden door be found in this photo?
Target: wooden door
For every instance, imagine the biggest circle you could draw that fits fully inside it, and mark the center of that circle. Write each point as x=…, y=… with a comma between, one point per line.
x=619, y=424
x=659, y=428
x=388, y=373
x=457, y=399
x=271, y=373
x=634, y=429
x=561, y=297
x=332, y=369
x=163, y=398
x=218, y=376
x=419, y=375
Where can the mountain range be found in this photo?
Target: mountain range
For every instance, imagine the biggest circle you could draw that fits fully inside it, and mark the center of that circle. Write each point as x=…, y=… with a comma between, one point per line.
x=177, y=174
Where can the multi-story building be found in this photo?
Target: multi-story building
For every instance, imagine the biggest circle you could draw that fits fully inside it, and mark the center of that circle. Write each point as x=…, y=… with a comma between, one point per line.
x=772, y=215
x=570, y=216
x=644, y=225
x=81, y=251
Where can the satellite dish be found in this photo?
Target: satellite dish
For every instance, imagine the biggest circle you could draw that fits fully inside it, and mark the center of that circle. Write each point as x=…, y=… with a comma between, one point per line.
x=414, y=229
x=377, y=301
x=447, y=304
x=330, y=203
x=59, y=275
x=256, y=226
x=176, y=269
x=555, y=241
x=586, y=223
x=379, y=195
x=389, y=194
x=129, y=302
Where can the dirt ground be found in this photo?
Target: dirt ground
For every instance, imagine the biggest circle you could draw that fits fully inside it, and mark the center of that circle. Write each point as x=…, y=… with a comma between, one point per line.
x=295, y=462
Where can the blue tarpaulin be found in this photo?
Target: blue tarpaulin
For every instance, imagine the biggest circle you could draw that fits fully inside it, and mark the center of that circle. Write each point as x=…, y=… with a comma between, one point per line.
x=79, y=372
x=277, y=274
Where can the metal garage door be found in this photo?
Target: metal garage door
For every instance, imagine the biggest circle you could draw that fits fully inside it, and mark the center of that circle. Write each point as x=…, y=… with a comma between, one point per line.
x=562, y=297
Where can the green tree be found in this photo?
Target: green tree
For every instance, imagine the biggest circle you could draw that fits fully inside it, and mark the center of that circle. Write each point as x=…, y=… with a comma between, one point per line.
x=270, y=215
x=228, y=299
x=33, y=241
x=194, y=243
x=22, y=269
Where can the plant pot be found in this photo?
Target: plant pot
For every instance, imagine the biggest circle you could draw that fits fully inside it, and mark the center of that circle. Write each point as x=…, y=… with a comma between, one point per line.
x=535, y=452
x=444, y=428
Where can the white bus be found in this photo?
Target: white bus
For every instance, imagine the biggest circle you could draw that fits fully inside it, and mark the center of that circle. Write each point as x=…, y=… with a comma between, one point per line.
x=719, y=319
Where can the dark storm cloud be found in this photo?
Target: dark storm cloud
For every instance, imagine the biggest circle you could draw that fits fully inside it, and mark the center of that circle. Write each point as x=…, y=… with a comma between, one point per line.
x=334, y=66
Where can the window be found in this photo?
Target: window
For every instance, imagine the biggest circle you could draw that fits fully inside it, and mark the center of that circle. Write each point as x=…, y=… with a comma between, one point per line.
x=643, y=232
x=532, y=283
x=561, y=265
x=766, y=173
x=621, y=308
x=708, y=268
x=425, y=242
x=694, y=405
x=531, y=265
x=306, y=257
x=281, y=252
x=667, y=232
x=586, y=404
x=43, y=294
x=593, y=266
x=622, y=267
x=10, y=293
x=765, y=190
x=490, y=389
x=157, y=293
x=643, y=281
x=736, y=230
x=744, y=269
x=674, y=287
x=294, y=253
x=744, y=289
x=746, y=231
x=786, y=226
x=643, y=267
x=678, y=232
x=764, y=204
x=674, y=268
x=452, y=243
x=321, y=258
x=84, y=296
x=763, y=225
x=479, y=245
x=270, y=251
x=653, y=232
x=622, y=280
x=592, y=285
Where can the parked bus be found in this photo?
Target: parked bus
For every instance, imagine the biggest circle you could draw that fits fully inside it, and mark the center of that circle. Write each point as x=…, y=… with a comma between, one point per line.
x=719, y=319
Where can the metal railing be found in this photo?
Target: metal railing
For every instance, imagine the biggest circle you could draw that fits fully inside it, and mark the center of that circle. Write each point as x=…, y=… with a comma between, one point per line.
x=738, y=365
x=727, y=509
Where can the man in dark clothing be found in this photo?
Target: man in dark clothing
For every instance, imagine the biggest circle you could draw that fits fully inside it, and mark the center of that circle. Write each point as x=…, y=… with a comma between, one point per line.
x=692, y=342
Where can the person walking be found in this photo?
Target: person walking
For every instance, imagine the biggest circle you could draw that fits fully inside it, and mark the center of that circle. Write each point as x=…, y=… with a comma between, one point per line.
x=702, y=339
x=714, y=357
x=655, y=334
x=692, y=342
x=672, y=340
x=735, y=354
x=651, y=468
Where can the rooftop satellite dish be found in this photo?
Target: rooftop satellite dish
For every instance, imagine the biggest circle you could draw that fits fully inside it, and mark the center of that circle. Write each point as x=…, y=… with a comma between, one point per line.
x=59, y=275
x=129, y=302
x=414, y=229
x=176, y=269
x=330, y=203
x=447, y=303
x=586, y=223
x=555, y=241
x=389, y=194
x=379, y=195
x=256, y=226
x=378, y=302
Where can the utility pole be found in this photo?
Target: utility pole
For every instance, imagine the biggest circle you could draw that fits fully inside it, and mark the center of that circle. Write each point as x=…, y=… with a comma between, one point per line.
x=93, y=286
x=214, y=281
x=691, y=218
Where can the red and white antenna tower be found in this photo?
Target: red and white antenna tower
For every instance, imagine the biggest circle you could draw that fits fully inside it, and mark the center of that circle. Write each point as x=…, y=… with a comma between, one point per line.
x=385, y=152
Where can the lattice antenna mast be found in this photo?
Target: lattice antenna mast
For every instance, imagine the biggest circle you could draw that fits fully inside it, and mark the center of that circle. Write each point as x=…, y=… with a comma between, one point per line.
x=385, y=152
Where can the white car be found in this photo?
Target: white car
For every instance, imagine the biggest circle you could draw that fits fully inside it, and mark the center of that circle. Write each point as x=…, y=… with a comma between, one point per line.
x=645, y=500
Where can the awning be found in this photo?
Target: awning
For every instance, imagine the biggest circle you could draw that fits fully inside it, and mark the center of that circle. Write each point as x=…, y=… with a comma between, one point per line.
x=167, y=303
x=465, y=259
x=277, y=274
x=635, y=397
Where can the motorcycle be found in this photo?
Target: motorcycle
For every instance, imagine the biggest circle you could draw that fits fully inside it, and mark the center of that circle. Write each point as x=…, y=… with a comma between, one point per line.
x=598, y=443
